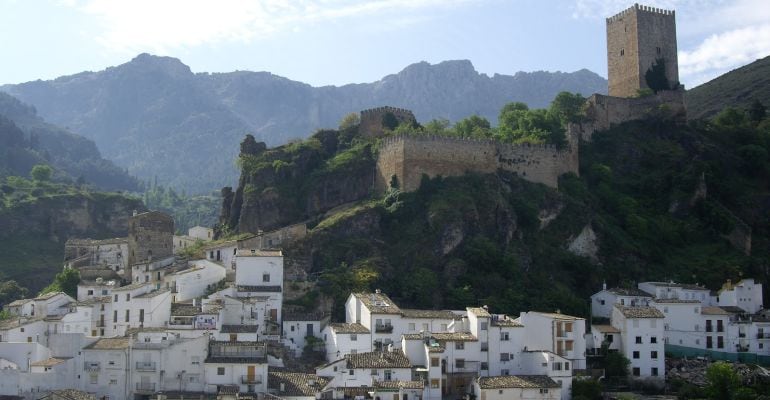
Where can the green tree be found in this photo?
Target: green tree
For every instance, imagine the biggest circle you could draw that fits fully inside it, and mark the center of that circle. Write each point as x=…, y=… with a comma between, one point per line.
x=41, y=173
x=588, y=389
x=473, y=127
x=389, y=121
x=568, y=107
x=656, y=76
x=349, y=121
x=65, y=281
x=616, y=365
x=438, y=127
x=722, y=381
x=10, y=291
x=757, y=111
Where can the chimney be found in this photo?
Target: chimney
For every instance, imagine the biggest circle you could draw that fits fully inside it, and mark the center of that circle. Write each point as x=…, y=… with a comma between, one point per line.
x=378, y=291
x=283, y=387
x=134, y=213
x=604, y=285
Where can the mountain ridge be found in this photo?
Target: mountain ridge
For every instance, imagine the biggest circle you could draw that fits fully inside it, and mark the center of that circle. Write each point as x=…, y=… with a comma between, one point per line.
x=155, y=117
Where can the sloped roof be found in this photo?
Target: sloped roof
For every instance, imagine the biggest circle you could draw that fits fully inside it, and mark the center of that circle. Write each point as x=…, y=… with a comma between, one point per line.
x=295, y=383
x=348, y=328
x=378, y=359
x=605, y=328
x=713, y=311
x=558, y=315
x=50, y=362
x=396, y=385
x=69, y=394
x=640, y=311
x=454, y=336
x=430, y=314
x=517, y=381
x=629, y=292
x=378, y=303
x=480, y=312
x=109, y=344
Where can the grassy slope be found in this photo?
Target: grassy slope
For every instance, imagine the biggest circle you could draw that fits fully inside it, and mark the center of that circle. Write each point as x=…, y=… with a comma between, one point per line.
x=737, y=88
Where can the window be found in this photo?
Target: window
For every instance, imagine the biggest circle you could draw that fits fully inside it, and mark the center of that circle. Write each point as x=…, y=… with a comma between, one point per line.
x=654, y=355
x=505, y=372
x=709, y=343
x=459, y=345
x=484, y=366
x=543, y=390
x=568, y=327
x=411, y=327
x=375, y=372
x=434, y=383
x=113, y=381
x=653, y=339
x=353, y=337
x=434, y=361
x=128, y=296
x=601, y=302
x=351, y=372
x=636, y=355
x=720, y=327
x=504, y=357
x=566, y=366
x=22, y=329
x=116, y=298
x=484, y=326
x=90, y=292
x=504, y=336
x=425, y=327
x=220, y=370
x=94, y=379
x=638, y=339
x=141, y=315
x=636, y=371
x=265, y=277
x=556, y=366
x=388, y=375
x=720, y=342
x=195, y=360
x=111, y=363
x=654, y=371
x=127, y=314
x=115, y=316
x=657, y=50
x=484, y=346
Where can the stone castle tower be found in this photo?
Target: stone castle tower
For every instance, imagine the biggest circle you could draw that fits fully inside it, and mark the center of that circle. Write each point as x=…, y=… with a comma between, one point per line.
x=636, y=39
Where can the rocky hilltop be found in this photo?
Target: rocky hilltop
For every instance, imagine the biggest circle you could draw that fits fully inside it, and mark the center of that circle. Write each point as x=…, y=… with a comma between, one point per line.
x=155, y=117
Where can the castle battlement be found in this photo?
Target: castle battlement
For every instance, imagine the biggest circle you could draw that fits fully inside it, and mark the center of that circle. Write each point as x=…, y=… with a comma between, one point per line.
x=637, y=7
x=384, y=109
x=393, y=140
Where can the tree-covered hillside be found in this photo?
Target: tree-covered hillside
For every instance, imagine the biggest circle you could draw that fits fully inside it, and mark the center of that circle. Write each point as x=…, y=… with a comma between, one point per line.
x=654, y=201
x=737, y=88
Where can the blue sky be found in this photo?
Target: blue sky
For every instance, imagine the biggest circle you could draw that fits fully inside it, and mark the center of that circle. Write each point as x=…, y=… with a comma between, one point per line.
x=325, y=42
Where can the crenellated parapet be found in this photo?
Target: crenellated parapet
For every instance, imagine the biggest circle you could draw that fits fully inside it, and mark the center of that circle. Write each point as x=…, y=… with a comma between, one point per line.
x=373, y=120
x=636, y=8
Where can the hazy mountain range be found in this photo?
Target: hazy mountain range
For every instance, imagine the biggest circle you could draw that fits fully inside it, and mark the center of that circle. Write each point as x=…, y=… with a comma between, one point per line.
x=156, y=118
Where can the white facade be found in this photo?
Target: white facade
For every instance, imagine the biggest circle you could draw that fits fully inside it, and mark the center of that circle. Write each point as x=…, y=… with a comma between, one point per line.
x=745, y=294
x=201, y=233
x=641, y=340
x=139, y=305
x=558, y=333
x=194, y=281
x=297, y=328
x=602, y=302
x=183, y=242
x=342, y=339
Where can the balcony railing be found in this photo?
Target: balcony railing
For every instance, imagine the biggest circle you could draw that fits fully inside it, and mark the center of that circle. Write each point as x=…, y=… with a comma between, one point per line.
x=251, y=379
x=145, y=366
x=383, y=328
x=91, y=367
x=742, y=349
x=763, y=335
x=145, y=387
x=741, y=334
x=709, y=328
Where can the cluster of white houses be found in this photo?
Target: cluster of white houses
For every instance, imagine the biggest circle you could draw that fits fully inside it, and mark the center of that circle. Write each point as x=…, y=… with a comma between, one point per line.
x=166, y=328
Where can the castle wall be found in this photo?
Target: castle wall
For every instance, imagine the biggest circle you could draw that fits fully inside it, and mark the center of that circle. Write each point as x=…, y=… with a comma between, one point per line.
x=602, y=112
x=636, y=38
x=409, y=158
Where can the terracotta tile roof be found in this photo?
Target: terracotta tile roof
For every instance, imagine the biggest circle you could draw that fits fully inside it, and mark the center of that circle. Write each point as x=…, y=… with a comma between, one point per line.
x=506, y=321
x=558, y=315
x=396, y=385
x=412, y=336
x=713, y=311
x=454, y=336
x=185, y=310
x=687, y=286
x=640, y=312
x=674, y=301
x=348, y=328
x=733, y=309
x=19, y=302
x=48, y=362
x=260, y=253
x=517, y=381
x=431, y=314
x=17, y=322
x=69, y=394
x=295, y=316
x=239, y=329
x=378, y=359
x=256, y=288
x=378, y=303
x=152, y=294
x=48, y=295
x=629, y=292
x=605, y=328
x=295, y=383
x=109, y=344
x=132, y=286
x=480, y=312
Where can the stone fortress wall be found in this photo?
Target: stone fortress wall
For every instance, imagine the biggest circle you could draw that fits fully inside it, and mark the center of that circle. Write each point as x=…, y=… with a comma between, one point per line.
x=636, y=38
x=409, y=157
x=371, y=119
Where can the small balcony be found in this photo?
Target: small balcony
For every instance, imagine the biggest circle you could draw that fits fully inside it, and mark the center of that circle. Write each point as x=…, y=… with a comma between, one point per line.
x=251, y=379
x=742, y=349
x=91, y=367
x=385, y=328
x=145, y=387
x=741, y=334
x=762, y=335
x=145, y=366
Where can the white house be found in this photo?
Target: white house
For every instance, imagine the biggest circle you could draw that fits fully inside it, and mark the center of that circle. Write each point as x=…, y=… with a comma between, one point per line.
x=295, y=385
x=362, y=370
x=745, y=294
x=297, y=327
x=182, y=242
x=139, y=305
x=346, y=338
x=96, y=288
x=641, y=341
x=516, y=387
x=105, y=366
x=560, y=333
x=194, y=280
x=677, y=291
x=602, y=302
x=164, y=361
x=201, y=233
x=236, y=365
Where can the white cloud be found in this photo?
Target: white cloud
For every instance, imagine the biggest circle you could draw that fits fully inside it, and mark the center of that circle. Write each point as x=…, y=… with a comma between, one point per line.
x=153, y=25
x=722, y=52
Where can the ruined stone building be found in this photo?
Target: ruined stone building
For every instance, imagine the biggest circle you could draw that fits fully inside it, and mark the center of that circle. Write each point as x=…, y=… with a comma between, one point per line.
x=150, y=237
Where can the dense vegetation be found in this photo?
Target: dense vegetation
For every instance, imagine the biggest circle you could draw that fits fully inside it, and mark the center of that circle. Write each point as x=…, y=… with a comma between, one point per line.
x=738, y=88
x=188, y=210
x=27, y=140
x=661, y=198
